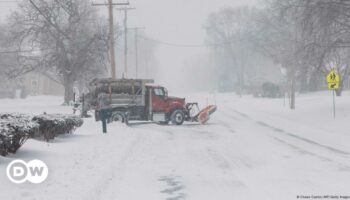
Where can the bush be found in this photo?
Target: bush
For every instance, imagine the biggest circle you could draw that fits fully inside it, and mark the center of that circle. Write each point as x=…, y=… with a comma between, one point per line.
x=53, y=125
x=16, y=129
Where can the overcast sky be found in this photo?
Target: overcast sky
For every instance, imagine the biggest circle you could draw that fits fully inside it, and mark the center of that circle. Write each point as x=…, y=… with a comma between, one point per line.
x=179, y=22
x=173, y=21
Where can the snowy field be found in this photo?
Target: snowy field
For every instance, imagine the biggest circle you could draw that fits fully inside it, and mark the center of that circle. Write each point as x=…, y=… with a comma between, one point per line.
x=254, y=149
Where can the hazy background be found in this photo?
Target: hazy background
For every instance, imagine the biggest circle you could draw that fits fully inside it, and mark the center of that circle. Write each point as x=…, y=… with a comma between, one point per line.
x=178, y=22
x=171, y=21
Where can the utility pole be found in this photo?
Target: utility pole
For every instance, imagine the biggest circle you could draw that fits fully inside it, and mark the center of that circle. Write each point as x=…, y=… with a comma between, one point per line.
x=294, y=66
x=136, y=29
x=125, y=38
x=111, y=33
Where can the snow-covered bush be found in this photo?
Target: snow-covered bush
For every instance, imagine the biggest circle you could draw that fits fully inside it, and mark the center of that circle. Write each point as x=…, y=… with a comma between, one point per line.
x=57, y=124
x=16, y=129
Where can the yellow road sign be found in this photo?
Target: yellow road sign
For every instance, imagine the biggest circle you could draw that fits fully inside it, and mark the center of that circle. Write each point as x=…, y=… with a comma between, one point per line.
x=333, y=80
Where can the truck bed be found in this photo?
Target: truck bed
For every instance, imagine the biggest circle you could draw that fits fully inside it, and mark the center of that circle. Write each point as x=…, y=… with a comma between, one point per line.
x=113, y=93
x=114, y=100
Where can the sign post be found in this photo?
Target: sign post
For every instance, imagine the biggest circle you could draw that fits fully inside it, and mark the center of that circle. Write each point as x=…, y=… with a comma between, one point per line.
x=333, y=80
x=333, y=103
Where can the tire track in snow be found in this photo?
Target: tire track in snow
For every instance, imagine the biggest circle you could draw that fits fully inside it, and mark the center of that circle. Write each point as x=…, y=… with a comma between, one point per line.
x=343, y=154
x=341, y=166
x=201, y=133
x=115, y=169
x=302, y=138
x=261, y=123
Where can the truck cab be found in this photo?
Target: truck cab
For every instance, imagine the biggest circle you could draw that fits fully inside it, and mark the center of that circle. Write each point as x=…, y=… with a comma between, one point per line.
x=164, y=108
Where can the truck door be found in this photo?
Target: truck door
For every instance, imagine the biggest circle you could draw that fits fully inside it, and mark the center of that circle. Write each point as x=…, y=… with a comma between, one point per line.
x=158, y=100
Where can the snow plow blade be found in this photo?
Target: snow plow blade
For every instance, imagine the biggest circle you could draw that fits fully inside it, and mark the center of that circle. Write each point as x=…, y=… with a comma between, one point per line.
x=204, y=115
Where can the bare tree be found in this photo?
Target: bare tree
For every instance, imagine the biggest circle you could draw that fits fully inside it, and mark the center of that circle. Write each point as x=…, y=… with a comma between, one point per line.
x=230, y=30
x=10, y=58
x=323, y=32
x=69, y=38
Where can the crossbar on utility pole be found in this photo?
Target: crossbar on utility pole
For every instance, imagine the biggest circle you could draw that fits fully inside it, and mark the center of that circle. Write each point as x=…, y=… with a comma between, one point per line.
x=136, y=29
x=125, y=39
x=111, y=33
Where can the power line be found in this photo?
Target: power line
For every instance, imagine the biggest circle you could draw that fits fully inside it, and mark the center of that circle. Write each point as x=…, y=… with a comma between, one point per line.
x=188, y=45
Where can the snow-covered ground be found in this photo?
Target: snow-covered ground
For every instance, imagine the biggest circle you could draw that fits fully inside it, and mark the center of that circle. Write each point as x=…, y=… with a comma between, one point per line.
x=251, y=149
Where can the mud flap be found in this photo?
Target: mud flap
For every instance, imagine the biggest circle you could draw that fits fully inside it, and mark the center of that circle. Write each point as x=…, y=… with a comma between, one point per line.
x=204, y=115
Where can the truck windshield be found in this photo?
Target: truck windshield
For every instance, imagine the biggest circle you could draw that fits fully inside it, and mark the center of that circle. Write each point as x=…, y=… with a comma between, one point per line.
x=159, y=92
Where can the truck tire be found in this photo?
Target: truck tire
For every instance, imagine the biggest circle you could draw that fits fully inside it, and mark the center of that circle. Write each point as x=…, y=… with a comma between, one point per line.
x=177, y=117
x=118, y=117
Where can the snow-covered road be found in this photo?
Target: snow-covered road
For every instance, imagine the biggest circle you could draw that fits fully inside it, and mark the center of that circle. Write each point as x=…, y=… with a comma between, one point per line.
x=251, y=149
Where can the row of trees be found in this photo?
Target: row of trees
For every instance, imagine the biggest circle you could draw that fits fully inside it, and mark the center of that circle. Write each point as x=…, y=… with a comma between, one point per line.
x=305, y=37
x=66, y=40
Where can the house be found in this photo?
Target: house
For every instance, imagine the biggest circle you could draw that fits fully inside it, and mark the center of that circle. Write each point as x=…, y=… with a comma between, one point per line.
x=39, y=84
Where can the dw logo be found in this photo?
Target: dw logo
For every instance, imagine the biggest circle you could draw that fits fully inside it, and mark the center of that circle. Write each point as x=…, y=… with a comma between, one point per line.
x=35, y=171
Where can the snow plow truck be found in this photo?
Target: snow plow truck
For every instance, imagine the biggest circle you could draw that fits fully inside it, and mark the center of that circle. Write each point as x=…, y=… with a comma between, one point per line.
x=126, y=100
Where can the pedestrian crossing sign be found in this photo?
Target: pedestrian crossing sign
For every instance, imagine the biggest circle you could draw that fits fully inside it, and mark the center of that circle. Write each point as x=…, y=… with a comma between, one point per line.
x=333, y=80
